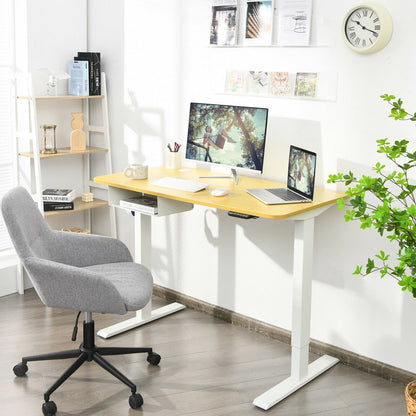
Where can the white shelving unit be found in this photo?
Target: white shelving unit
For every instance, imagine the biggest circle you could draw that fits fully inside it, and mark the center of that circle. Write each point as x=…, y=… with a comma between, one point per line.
x=27, y=146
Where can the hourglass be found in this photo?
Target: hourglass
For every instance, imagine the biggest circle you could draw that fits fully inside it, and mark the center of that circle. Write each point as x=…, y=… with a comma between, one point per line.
x=49, y=139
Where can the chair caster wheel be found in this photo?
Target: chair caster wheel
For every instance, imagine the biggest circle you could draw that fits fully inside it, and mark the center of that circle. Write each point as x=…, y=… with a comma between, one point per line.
x=153, y=358
x=135, y=400
x=20, y=369
x=49, y=409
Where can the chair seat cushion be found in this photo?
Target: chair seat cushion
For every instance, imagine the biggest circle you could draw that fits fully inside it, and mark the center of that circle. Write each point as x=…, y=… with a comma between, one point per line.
x=133, y=281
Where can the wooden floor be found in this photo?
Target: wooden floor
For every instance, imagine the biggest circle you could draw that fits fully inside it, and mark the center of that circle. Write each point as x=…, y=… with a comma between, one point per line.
x=208, y=368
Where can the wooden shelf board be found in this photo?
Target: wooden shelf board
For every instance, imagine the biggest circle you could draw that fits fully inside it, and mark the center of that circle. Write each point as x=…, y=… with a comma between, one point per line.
x=79, y=205
x=66, y=151
x=60, y=97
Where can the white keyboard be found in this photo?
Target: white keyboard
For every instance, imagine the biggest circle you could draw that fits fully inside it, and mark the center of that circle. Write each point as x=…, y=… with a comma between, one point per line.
x=180, y=184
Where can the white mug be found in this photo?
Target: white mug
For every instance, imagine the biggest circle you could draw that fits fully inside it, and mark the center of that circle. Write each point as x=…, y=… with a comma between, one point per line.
x=135, y=171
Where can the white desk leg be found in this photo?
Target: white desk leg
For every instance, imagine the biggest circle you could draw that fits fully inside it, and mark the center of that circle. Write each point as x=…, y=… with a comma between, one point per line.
x=143, y=255
x=301, y=372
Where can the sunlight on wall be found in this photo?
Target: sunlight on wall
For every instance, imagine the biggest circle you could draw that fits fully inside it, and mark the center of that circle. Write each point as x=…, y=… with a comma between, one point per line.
x=148, y=73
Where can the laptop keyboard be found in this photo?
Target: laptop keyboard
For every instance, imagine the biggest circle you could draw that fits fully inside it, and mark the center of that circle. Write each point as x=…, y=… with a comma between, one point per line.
x=286, y=194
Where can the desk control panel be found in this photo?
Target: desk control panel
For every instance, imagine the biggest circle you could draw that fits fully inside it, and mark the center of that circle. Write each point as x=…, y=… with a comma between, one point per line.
x=241, y=215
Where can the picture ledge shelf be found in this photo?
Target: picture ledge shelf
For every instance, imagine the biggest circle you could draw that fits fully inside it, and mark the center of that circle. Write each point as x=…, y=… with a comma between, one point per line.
x=281, y=97
x=269, y=46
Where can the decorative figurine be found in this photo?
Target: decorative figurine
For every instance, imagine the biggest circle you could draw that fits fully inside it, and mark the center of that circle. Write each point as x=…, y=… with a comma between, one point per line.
x=78, y=136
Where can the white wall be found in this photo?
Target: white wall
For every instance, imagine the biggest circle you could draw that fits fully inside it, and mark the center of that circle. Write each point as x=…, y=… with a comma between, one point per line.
x=157, y=60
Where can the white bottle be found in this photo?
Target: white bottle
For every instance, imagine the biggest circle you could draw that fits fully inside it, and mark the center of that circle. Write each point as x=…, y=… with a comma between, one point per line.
x=52, y=85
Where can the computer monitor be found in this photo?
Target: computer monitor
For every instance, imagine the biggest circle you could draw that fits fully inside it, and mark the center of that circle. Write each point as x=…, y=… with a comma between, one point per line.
x=228, y=135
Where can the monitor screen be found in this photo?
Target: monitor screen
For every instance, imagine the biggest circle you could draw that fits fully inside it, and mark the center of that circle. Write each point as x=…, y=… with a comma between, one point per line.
x=228, y=135
x=301, y=171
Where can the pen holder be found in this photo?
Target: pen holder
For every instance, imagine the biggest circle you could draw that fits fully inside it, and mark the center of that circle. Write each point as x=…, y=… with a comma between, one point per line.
x=173, y=160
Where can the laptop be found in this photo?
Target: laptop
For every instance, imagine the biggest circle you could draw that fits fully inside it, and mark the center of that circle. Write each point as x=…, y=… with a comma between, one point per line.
x=300, y=180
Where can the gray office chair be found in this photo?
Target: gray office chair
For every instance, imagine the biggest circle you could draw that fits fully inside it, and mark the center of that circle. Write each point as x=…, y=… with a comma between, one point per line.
x=88, y=273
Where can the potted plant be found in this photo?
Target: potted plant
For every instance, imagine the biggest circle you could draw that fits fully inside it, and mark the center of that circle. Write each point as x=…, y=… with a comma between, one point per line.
x=386, y=201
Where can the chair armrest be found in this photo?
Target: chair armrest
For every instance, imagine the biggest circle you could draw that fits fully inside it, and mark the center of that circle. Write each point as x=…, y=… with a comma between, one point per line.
x=70, y=287
x=86, y=249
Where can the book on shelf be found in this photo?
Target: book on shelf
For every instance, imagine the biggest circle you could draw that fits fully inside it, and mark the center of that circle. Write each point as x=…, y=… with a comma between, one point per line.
x=224, y=23
x=258, y=82
x=94, y=63
x=143, y=203
x=306, y=84
x=259, y=18
x=79, y=83
x=280, y=84
x=58, y=195
x=235, y=81
x=294, y=26
x=58, y=206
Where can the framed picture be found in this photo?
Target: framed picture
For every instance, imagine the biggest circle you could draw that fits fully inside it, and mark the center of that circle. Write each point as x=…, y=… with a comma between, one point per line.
x=294, y=25
x=280, y=84
x=306, y=84
x=224, y=24
x=259, y=16
x=258, y=82
x=235, y=82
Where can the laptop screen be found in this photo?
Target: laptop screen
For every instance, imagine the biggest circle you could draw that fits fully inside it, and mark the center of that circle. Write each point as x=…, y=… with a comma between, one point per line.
x=301, y=171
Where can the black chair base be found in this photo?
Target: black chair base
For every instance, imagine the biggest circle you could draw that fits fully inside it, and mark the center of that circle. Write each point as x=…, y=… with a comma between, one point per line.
x=87, y=351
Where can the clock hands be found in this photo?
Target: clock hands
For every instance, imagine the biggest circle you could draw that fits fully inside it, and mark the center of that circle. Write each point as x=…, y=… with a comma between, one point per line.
x=359, y=24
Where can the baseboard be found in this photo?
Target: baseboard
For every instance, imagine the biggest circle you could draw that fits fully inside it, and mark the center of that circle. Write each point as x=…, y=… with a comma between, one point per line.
x=349, y=358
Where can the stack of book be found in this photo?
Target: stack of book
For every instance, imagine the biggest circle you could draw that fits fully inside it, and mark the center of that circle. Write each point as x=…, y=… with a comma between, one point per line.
x=85, y=73
x=58, y=199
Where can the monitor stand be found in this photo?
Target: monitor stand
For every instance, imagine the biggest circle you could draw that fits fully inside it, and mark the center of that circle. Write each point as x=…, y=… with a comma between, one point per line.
x=233, y=175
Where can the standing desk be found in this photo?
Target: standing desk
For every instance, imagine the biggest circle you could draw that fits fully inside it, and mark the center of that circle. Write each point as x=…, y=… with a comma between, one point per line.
x=173, y=201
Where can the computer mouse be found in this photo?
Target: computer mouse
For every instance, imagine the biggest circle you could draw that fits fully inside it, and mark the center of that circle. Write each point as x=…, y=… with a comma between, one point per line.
x=220, y=192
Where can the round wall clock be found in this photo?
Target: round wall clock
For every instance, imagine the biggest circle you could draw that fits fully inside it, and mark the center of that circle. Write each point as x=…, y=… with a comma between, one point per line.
x=367, y=28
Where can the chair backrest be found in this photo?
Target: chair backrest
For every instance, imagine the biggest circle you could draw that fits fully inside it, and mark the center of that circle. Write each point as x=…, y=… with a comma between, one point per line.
x=26, y=225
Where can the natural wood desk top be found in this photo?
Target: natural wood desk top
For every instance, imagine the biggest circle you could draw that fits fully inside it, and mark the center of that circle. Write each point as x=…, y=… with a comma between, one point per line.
x=237, y=200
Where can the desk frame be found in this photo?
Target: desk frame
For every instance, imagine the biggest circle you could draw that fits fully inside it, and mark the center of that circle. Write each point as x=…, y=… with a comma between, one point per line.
x=301, y=371
x=142, y=255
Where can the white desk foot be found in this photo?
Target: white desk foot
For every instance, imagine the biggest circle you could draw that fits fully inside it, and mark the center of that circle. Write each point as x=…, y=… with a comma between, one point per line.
x=288, y=386
x=137, y=321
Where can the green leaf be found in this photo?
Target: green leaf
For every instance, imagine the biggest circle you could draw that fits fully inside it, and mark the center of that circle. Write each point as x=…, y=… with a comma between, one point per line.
x=387, y=97
x=379, y=167
x=358, y=270
x=412, y=210
x=370, y=266
x=408, y=283
x=383, y=256
x=349, y=215
x=341, y=203
x=384, y=271
x=365, y=222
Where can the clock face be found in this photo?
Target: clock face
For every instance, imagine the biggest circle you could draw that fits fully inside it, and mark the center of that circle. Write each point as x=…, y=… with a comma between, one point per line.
x=363, y=28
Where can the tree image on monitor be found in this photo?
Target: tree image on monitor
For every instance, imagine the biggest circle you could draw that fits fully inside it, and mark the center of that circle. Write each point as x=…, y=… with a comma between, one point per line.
x=227, y=135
